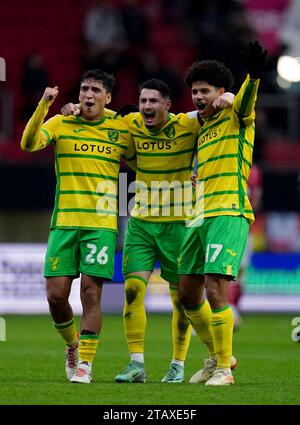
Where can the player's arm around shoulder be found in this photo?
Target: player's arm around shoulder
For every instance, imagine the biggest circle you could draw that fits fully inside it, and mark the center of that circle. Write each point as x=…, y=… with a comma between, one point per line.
x=190, y=121
x=127, y=116
x=129, y=153
x=37, y=136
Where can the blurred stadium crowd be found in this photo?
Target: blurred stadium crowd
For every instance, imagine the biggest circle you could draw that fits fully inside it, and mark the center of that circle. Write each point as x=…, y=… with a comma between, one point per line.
x=53, y=43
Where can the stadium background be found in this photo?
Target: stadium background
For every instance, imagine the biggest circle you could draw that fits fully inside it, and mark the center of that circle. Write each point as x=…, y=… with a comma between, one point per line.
x=45, y=45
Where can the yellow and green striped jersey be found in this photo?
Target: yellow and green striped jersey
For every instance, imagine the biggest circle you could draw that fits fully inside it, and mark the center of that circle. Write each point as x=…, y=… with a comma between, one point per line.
x=87, y=162
x=225, y=146
x=164, y=160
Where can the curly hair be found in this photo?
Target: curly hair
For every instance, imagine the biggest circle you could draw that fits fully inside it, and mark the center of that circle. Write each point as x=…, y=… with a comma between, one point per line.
x=213, y=72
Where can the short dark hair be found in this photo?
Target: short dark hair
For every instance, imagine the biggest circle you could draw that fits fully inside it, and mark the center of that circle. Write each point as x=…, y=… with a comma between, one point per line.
x=158, y=85
x=108, y=80
x=213, y=72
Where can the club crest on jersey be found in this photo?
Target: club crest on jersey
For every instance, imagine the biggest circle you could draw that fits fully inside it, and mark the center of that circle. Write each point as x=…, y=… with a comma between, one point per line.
x=170, y=131
x=113, y=135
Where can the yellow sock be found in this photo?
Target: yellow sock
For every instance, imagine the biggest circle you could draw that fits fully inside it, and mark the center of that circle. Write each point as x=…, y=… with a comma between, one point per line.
x=200, y=318
x=222, y=329
x=134, y=314
x=181, y=327
x=87, y=347
x=68, y=332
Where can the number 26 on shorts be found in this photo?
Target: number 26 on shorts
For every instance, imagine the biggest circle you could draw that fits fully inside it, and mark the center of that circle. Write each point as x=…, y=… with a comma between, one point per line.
x=101, y=257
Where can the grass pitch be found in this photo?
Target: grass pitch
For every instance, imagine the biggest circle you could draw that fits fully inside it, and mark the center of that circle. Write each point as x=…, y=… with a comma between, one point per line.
x=32, y=366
